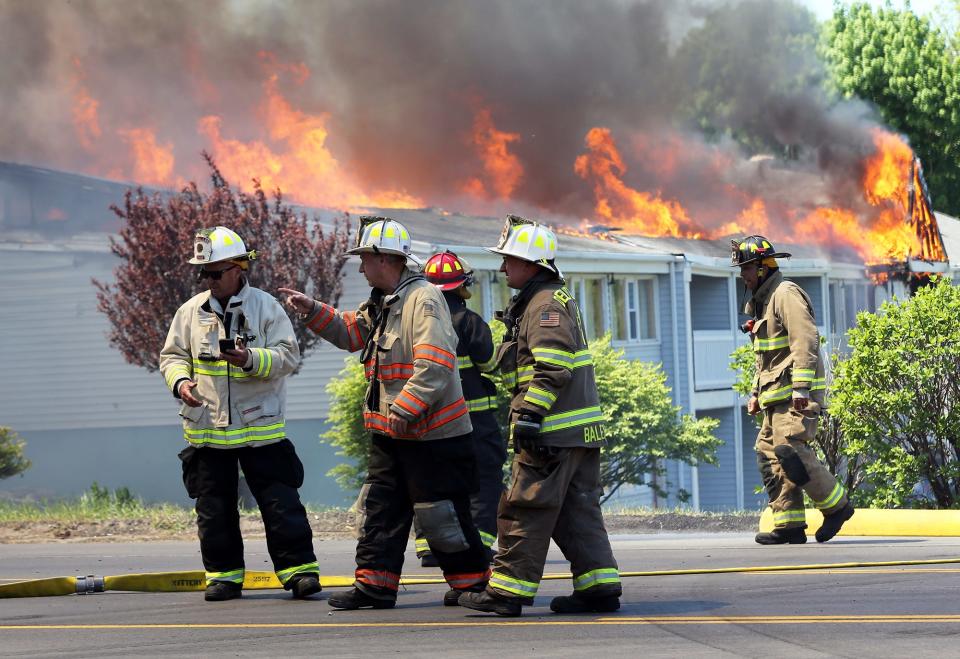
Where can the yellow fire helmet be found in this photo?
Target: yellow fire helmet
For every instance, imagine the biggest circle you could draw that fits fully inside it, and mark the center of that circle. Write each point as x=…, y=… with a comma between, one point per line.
x=382, y=235
x=215, y=244
x=527, y=240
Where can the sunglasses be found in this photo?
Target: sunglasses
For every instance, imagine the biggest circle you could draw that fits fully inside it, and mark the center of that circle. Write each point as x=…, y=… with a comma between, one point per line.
x=215, y=275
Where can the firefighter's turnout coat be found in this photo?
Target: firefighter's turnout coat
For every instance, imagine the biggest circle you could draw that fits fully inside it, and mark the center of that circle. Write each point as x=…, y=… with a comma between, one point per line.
x=409, y=356
x=787, y=347
x=786, y=342
x=241, y=406
x=548, y=367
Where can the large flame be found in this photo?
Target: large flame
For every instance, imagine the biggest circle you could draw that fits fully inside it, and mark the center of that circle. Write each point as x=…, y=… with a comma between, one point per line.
x=502, y=169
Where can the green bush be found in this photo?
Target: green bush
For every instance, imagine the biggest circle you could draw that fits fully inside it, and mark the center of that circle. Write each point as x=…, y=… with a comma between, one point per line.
x=12, y=461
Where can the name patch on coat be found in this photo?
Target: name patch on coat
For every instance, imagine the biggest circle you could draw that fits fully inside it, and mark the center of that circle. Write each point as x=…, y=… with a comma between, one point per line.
x=549, y=319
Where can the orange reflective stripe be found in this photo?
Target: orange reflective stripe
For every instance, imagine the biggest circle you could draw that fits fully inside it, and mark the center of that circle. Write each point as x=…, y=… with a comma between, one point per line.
x=434, y=354
x=379, y=424
x=467, y=579
x=378, y=578
x=449, y=413
x=410, y=403
x=396, y=371
x=323, y=318
x=353, y=330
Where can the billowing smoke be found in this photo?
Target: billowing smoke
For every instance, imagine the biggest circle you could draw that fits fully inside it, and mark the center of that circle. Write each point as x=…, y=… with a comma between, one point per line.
x=122, y=89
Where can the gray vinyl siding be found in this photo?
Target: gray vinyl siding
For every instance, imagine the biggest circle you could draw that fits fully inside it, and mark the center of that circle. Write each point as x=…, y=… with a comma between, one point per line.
x=813, y=288
x=710, y=303
x=145, y=460
x=68, y=376
x=718, y=483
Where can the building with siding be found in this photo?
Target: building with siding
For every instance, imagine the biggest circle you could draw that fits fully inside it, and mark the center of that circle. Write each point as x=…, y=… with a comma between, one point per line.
x=89, y=416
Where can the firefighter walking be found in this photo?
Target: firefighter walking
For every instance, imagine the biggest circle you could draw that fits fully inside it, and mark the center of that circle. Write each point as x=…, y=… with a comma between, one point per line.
x=453, y=277
x=788, y=389
x=421, y=459
x=556, y=426
x=226, y=358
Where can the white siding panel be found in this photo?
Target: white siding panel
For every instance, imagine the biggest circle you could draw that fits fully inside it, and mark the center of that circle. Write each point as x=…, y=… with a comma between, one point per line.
x=62, y=373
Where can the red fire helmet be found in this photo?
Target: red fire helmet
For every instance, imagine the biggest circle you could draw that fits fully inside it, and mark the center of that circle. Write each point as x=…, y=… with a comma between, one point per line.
x=447, y=272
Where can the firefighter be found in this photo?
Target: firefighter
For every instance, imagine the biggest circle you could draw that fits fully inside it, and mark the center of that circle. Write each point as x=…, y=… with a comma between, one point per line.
x=475, y=356
x=421, y=460
x=556, y=426
x=226, y=358
x=788, y=389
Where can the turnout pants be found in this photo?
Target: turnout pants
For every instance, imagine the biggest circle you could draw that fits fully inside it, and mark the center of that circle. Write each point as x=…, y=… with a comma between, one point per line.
x=555, y=496
x=789, y=466
x=273, y=472
x=434, y=478
x=491, y=452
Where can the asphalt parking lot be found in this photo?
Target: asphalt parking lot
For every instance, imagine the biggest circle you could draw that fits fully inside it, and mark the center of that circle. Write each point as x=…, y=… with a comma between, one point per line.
x=905, y=609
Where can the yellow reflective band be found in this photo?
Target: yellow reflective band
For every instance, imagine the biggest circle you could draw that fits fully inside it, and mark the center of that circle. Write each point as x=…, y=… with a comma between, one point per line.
x=488, y=366
x=481, y=404
x=783, y=393
x=266, y=362
x=516, y=586
x=832, y=499
x=218, y=368
x=487, y=538
x=595, y=578
x=510, y=379
x=787, y=516
x=554, y=356
x=803, y=374
x=177, y=373
x=464, y=362
x=233, y=576
x=238, y=436
x=572, y=419
x=766, y=345
x=525, y=374
x=421, y=544
x=306, y=568
x=540, y=397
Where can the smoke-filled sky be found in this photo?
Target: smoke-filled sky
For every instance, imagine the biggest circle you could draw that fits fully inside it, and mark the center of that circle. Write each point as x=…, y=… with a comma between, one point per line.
x=531, y=105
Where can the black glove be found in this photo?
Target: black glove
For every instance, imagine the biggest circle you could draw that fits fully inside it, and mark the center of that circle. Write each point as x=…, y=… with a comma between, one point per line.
x=526, y=434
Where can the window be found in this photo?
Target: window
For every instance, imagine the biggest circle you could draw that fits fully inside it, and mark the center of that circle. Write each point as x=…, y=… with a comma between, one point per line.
x=588, y=292
x=634, y=310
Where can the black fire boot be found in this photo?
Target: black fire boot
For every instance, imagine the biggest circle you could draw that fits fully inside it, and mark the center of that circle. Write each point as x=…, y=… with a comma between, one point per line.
x=794, y=536
x=219, y=591
x=484, y=601
x=357, y=599
x=429, y=560
x=577, y=603
x=833, y=523
x=304, y=585
x=451, y=597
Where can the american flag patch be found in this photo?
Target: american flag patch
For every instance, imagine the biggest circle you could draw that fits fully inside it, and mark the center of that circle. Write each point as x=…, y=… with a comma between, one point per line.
x=549, y=319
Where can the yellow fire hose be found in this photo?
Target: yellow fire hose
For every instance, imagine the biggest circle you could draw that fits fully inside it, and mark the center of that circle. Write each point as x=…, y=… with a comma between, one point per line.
x=172, y=582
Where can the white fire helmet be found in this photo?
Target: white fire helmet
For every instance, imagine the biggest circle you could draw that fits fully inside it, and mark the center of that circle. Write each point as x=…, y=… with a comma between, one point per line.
x=381, y=235
x=215, y=244
x=527, y=240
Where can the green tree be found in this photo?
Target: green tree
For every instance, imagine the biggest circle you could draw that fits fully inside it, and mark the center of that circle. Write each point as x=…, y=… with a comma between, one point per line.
x=12, y=461
x=896, y=398
x=644, y=428
x=902, y=64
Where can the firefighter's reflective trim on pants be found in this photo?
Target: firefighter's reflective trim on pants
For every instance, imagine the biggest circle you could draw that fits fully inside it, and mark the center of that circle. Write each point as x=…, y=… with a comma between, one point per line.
x=378, y=578
x=264, y=362
x=464, y=580
x=307, y=568
x=540, y=397
x=250, y=434
x=233, y=576
x=571, y=419
x=487, y=538
x=784, y=517
x=804, y=375
x=219, y=368
x=421, y=545
x=766, y=345
x=784, y=393
x=501, y=581
x=482, y=404
x=835, y=495
x=595, y=578
x=177, y=373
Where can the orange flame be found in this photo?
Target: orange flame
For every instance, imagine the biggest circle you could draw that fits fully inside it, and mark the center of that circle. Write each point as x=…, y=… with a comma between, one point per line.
x=153, y=163
x=620, y=204
x=85, y=111
x=502, y=168
x=298, y=162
